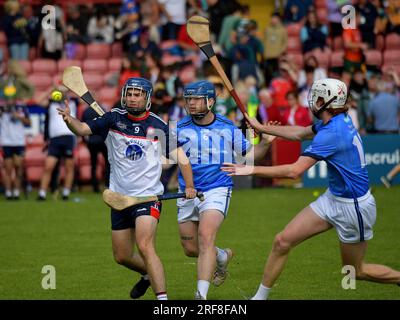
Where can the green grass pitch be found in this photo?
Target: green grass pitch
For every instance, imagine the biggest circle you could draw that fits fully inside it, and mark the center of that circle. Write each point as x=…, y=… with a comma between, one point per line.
x=75, y=238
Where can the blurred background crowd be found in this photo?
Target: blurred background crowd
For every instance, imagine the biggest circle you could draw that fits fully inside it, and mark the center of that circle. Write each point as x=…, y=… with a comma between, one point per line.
x=271, y=51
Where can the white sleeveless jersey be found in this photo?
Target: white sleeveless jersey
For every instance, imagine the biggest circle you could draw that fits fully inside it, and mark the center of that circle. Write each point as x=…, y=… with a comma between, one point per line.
x=57, y=126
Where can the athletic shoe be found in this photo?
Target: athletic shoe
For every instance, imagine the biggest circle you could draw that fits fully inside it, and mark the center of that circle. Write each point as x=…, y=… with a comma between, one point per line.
x=198, y=296
x=221, y=274
x=140, y=288
x=386, y=182
x=40, y=198
x=65, y=198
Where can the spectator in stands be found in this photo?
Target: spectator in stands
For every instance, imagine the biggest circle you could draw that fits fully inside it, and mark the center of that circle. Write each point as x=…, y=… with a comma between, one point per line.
x=295, y=115
x=130, y=68
x=311, y=66
x=224, y=104
x=393, y=13
x=96, y=145
x=174, y=17
x=353, y=48
x=228, y=26
x=357, y=84
x=335, y=16
x=275, y=43
x=101, y=27
x=186, y=45
x=61, y=142
x=150, y=12
x=369, y=14
x=296, y=10
x=15, y=28
x=352, y=111
x=313, y=34
x=153, y=67
x=144, y=46
x=127, y=25
x=33, y=25
x=173, y=83
x=13, y=117
x=267, y=110
x=367, y=94
x=384, y=108
x=77, y=24
x=217, y=10
x=304, y=89
x=286, y=81
x=51, y=41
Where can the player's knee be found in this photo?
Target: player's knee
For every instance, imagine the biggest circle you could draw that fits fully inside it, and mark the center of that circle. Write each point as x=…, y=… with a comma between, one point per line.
x=121, y=259
x=190, y=250
x=281, y=244
x=206, y=240
x=146, y=248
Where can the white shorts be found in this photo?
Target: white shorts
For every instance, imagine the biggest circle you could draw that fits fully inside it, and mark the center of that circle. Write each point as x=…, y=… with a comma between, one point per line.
x=353, y=220
x=217, y=199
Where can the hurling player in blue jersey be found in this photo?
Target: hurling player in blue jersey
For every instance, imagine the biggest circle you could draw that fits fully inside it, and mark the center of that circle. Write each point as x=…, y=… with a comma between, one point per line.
x=347, y=205
x=132, y=136
x=209, y=140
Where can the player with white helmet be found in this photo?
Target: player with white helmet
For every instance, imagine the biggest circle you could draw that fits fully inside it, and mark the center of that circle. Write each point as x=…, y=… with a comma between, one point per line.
x=347, y=205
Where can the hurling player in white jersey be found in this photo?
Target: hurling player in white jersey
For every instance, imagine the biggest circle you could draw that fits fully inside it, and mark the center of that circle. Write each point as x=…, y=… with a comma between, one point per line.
x=136, y=140
x=347, y=205
x=209, y=140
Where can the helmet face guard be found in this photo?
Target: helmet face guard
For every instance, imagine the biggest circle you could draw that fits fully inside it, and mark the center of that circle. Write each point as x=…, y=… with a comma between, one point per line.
x=142, y=85
x=199, y=90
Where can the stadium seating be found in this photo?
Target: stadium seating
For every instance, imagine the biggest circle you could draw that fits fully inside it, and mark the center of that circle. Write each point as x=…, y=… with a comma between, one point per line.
x=107, y=97
x=26, y=64
x=373, y=57
x=336, y=59
x=40, y=81
x=380, y=42
x=94, y=81
x=391, y=57
x=35, y=141
x=64, y=63
x=293, y=29
x=98, y=51
x=114, y=64
x=45, y=66
x=95, y=65
x=392, y=41
x=3, y=39
x=293, y=45
x=117, y=50
x=79, y=52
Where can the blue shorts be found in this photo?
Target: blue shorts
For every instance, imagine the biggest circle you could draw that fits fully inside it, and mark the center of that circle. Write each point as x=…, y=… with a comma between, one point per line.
x=125, y=219
x=61, y=147
x=9, y=152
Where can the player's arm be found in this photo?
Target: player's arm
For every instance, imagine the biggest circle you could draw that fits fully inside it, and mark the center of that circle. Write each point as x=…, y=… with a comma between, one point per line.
x=77, y=127
x=292, y=171
x=288, y=132
x=179, y=156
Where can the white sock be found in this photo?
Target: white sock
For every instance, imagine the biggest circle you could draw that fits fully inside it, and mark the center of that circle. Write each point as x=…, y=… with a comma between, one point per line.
x=42, y=193
x=262, y=293
x=222, y=257
x=8, y=193
x=202, y=287
x=16, y=193
x=162, y=296
x=66, y=192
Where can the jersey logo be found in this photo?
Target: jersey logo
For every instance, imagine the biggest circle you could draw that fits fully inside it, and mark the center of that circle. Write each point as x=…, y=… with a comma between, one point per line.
x=134, y=152
x=121, y=125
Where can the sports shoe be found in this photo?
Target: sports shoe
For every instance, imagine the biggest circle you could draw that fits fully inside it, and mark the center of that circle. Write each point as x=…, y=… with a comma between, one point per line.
x=40, y=198
x=198, y=296
x=386, y=182
x=220, y=274
x=140, y=288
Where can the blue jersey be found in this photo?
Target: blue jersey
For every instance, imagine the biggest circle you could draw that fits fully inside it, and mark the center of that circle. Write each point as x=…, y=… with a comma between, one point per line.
x=338, y=143
x=207, y=147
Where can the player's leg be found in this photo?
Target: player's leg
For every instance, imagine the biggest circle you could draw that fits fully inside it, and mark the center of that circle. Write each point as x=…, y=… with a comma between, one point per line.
x=353, y=255
x=69, y=177
x=146, y=227
x=19, y=169
x=387, y=180
x=303, y=226
x=8, y=169
x=188, y=231
x=209, y=224
x=123, y=242
x=49, y=166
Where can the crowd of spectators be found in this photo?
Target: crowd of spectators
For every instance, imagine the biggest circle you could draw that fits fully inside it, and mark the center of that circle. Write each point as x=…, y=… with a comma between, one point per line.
x=272, y=69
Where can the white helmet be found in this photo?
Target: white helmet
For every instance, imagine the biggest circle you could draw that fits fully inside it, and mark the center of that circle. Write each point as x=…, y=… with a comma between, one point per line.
x=332, y=91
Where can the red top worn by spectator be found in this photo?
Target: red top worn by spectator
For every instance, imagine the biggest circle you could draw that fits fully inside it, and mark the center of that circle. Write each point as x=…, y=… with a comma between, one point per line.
x=296, y=115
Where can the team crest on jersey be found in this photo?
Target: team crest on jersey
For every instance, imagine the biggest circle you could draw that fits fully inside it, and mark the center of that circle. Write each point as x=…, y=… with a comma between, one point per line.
x=134, y=152
x=121, y=125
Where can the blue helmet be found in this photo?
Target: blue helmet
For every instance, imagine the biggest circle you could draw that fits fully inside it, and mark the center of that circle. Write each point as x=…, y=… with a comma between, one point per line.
x=201, y=88
x=137, y=83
